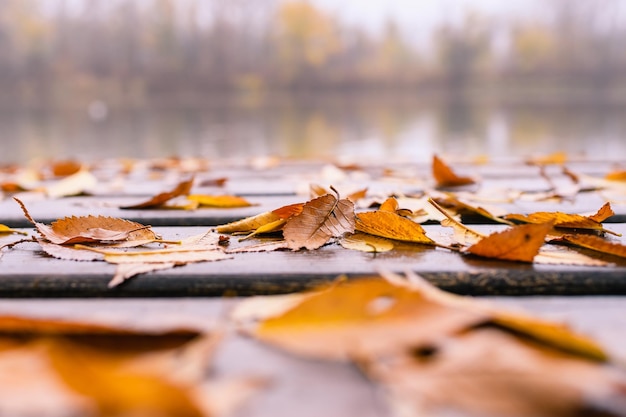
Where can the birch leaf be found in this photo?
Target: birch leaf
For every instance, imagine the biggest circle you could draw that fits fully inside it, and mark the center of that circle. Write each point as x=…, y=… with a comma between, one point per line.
x=182, y=189
x=321, y=219
x=518, y=243
x=391, y=226
x=86, y=229
x=446, y=177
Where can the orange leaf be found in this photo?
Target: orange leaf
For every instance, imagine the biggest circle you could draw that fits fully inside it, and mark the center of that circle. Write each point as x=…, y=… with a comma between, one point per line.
x=363, y=317
x=616, y=176
x=71, y=230
x=596, y=243
x=65, y=168
x=390, y=204
x=392, y=226
x=321, y=219
x=445, y=176
x=183, y=188
x=569, y=221
x=289, y=211
x=519, y=243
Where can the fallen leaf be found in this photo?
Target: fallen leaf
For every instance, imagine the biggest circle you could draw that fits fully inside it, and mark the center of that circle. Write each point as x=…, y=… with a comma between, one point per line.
x=6, y=230
x=214, y=182
x=392, y=226
x=321, y=219
x=568, y=221
x=366, y=243
x=596, y=243
x=518, y=243
x=74, y=184
x=252, y=223
x=261, y=247
x=618, y=175
x=446, y=177
x=65, y=168
x=556, y=158
x=486, y=372
x=125, y=271
x=219, y=201
x=368, y=316
x=182, y=189
x=71, y=230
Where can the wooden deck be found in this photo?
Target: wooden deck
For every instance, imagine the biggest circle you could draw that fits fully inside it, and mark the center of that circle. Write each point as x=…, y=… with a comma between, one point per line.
x=588, y=298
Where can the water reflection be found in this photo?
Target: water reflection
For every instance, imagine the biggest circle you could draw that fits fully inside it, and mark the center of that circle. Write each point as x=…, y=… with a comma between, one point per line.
x=371, y=128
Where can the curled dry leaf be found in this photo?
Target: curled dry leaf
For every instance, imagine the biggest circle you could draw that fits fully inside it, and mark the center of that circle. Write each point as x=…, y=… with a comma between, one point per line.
x=182, y=189
x=596, y=243
x=88, y=229
x=518, y=243
x=252, y=223
x=446, y=177
x=568, y=221
x=390, y=225
x=321, y=219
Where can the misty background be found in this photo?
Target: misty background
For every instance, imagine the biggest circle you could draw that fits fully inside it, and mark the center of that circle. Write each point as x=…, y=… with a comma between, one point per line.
x=242, y=78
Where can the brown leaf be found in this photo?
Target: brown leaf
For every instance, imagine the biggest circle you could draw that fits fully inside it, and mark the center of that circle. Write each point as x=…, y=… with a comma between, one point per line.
x=87, y=229
x=446, y=177
x=518, y=243
x=159, y=200
x=487, y=372
x=321, y=219
x=391, y=226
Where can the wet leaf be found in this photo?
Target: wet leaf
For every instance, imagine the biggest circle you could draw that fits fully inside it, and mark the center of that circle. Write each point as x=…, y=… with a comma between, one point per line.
x=182, y=189
x=321, y=219
x=392, y=226
x=518, y=243
x=86, y=229
x=219, y=201
x=446, y=177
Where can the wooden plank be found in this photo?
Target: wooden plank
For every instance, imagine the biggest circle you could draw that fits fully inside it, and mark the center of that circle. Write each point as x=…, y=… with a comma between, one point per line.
x=310, y=387
x=26, y=272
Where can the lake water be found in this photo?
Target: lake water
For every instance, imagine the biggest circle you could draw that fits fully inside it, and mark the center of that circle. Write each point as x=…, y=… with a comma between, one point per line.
x=363, y=129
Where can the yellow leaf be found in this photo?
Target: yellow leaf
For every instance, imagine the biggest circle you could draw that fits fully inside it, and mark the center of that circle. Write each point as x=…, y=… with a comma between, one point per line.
x=616, y=176
x=392, y=226
x=219, y=201
x=518, y=243
x=4, y=229
x=363, y=317
x=249, y=223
